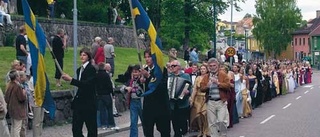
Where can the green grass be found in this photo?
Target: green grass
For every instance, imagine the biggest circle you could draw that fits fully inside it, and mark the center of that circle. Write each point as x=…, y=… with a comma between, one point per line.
x=124, y=57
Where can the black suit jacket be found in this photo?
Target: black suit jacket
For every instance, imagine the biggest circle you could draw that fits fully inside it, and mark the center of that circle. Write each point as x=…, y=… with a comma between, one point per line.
x=157, y=102
x=85, y=98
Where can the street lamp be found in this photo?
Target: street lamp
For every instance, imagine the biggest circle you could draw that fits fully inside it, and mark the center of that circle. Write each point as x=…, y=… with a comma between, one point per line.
x=245, y=26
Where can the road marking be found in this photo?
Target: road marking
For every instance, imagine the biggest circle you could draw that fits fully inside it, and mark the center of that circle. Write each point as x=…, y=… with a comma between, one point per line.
x=241, y=136
x=286, y=106
x=298, y=97
x=264, y=121
x=308, y=86
x=306, y=92
x=311, y=88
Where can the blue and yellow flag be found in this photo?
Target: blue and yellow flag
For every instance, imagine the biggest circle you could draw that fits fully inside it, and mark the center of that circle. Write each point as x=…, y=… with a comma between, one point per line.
x=143, y=21
x=37, y=44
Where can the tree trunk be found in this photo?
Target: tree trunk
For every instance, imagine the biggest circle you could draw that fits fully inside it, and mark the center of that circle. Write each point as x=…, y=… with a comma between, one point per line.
x=187, y=10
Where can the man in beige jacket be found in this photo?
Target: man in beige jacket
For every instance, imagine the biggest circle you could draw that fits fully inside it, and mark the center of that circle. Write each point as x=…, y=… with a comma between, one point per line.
x=4, y=131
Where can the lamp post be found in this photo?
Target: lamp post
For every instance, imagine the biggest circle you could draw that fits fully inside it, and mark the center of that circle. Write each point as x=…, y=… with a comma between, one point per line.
x=245, y=26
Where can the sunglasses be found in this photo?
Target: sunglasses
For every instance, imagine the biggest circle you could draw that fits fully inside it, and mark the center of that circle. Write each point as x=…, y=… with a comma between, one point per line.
x=173, y=66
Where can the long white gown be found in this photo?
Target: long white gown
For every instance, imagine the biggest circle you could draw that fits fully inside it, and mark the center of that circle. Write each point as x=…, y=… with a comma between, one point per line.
x=237, y=88
x=291, y=83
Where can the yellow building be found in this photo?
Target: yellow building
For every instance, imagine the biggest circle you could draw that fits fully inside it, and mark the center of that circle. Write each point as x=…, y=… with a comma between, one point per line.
x=225, y=25
x=256, y=49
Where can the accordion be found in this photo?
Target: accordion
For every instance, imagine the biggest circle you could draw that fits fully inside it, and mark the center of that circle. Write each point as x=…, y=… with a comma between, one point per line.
x=175, y=87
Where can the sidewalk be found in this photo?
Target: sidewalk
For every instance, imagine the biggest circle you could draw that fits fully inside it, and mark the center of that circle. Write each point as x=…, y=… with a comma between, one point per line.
x=65, y=130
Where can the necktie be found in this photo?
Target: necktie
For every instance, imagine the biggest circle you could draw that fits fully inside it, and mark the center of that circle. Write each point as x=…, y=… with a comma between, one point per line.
x=81, y=70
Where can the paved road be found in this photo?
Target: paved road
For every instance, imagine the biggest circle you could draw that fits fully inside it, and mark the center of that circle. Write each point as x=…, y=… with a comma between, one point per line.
x=292, y=115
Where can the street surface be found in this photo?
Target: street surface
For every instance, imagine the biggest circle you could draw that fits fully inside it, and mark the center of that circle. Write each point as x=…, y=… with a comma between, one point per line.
x=292, y=115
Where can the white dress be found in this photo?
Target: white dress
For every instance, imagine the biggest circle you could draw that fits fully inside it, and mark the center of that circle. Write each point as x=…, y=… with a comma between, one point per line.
x=291, y=84
x=237, y=88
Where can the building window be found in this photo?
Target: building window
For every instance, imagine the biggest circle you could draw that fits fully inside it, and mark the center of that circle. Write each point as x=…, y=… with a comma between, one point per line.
x=308, y=41
x=300, y=41
x=295, y=41
x=304, y=42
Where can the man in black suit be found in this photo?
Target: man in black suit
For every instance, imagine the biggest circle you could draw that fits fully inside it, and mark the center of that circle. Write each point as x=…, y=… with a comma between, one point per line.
x=84, y=103
x=156, y=108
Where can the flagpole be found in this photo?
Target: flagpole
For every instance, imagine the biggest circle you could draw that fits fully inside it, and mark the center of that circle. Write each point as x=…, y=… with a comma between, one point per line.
x=135, y=35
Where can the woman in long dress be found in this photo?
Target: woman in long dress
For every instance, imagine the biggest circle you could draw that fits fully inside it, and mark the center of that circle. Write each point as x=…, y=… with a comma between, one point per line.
x=245, y=95
x=253, y=84
x=308, y=73
x=198, y=116
x=266, y=84
x=232, y=109
x=290, y=79
x=237, y=89
x=284, y=80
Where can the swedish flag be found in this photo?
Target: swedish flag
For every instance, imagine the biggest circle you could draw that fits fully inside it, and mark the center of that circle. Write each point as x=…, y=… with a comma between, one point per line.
x=143, y=22
x=37, y=44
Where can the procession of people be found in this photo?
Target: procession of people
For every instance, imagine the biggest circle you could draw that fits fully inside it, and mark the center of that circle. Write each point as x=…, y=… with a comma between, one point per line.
x=205, y=96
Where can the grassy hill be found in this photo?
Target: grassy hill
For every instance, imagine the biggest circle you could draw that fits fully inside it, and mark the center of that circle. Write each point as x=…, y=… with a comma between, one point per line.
x=124, y=57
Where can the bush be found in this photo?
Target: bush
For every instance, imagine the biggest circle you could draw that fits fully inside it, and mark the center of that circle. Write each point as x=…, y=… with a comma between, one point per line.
x=9, y=39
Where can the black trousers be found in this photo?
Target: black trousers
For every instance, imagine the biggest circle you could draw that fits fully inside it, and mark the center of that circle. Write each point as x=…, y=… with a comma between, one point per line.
x=88, y=117
x=58, y=74
x=162, y=121
x=179, y=117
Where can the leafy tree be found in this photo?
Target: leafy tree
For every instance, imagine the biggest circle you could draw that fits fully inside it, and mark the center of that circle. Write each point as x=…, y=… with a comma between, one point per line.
x=274, y=23
x=190, y=22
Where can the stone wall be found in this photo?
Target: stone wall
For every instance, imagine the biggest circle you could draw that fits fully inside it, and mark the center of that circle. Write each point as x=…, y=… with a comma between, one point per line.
x=87, y=31
x=63, y=101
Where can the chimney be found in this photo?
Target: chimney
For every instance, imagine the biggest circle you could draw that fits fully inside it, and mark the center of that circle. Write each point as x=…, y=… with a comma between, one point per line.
x=318, y=13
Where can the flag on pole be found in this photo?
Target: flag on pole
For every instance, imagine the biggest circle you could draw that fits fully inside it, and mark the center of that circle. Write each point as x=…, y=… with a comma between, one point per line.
x=143, y=21
x=37, y=44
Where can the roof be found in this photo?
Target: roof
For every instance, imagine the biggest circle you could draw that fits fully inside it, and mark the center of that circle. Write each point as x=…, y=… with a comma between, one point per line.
x=316, y=31
x=308, y=29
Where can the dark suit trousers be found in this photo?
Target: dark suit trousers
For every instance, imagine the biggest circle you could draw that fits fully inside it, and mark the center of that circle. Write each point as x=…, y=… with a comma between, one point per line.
x=150, y=118
x=179, y=117
x=89, y=117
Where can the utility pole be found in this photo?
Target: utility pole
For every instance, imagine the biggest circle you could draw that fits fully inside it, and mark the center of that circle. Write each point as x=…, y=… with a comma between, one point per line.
x=231, y=24
x=75, y=39
x=215, y=30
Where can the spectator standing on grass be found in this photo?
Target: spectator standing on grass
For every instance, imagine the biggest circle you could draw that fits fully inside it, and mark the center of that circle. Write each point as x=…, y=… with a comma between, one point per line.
x=95, y=45
x=172, y=54
x=15, y=65
x=21, y=46
x=194, y=57
x=99, y=54
x=58, y=46
x=109, y=54
x=16, y=99
x=186, y=57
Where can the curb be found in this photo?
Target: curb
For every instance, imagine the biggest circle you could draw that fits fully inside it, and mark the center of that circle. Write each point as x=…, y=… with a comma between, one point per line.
x=122, y=128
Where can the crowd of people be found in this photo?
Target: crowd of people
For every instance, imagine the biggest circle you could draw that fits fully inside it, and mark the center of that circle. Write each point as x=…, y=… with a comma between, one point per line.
x=203, y=96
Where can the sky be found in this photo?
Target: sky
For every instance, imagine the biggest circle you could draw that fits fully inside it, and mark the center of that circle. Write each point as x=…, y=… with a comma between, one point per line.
x=308, y=10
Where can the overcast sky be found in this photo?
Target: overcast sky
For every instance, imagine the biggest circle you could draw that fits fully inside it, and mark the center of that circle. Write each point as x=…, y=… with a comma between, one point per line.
x=308, y=10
